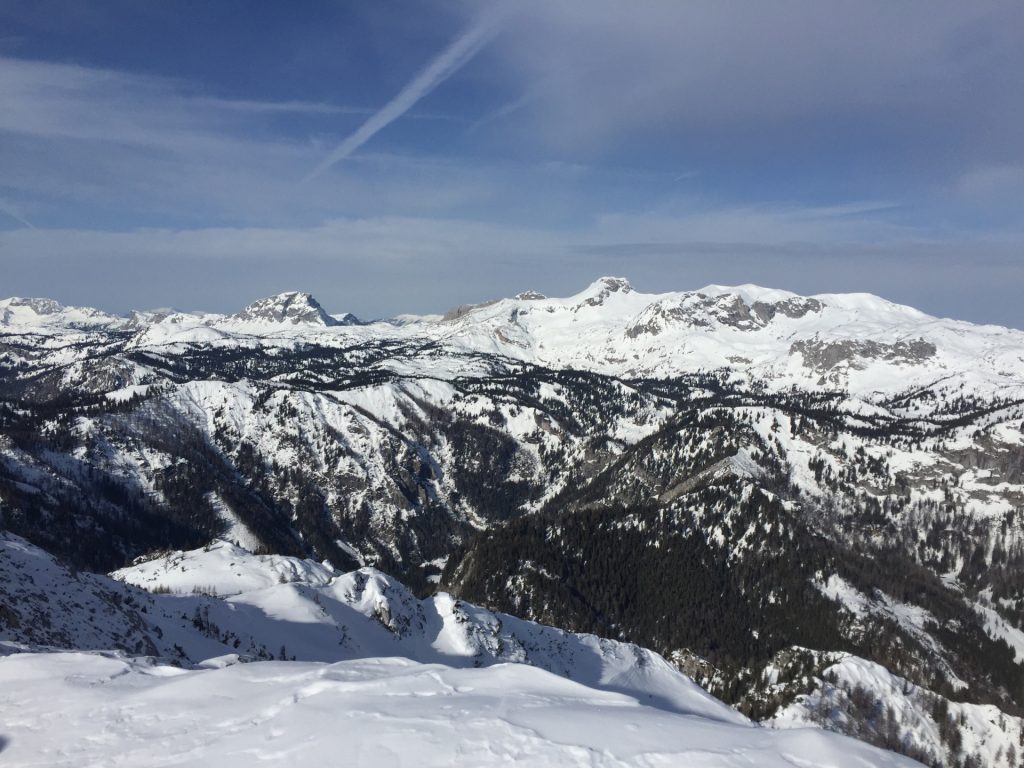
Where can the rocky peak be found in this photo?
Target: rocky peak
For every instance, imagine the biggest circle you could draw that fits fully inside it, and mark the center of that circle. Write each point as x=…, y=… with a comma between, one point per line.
x=347, y=318
x=38, y=306
x=530, y=296
x=732, y=310
x=612, y=284
x=292, y=307
x=602, y=288
x=47, y=312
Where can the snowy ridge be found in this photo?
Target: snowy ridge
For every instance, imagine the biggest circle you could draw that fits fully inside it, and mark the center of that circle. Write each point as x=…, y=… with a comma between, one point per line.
x=279, y=607
x=223, y=569
x=324, y=614
x=914, y=620
x=47, y=313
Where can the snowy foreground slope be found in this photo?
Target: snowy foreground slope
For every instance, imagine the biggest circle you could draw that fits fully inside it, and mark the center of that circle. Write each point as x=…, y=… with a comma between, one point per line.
x=116, y=711
x=432, y=682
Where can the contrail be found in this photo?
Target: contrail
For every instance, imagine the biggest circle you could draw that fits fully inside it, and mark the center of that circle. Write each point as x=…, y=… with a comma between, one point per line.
x=13, y=213
x=506, y=109
x=444, y=65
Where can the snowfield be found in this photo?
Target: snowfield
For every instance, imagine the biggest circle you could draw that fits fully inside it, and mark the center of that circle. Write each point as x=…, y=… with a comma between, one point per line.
x=274, y=607
x=81, y=709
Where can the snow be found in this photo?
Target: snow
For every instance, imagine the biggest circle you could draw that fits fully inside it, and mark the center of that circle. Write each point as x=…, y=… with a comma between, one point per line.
x=998, y=627
x=376, y=675
x=75, y=709
x=224, y=568
x=908, y=616
x=274, y=607
x=237, y=531
x=319, y=614
x=987, y=732
x=47, y=313
x=914, y=620
x=127, y=393
x=325, y=616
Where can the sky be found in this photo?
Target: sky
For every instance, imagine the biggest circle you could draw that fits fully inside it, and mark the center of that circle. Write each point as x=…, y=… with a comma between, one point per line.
x=412, y=156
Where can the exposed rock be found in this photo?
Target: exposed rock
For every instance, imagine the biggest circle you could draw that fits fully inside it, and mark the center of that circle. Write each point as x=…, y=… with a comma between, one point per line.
x=824, y=355
x=604, y=288
x=698, y=310
x=795, y=307
x=465, y=309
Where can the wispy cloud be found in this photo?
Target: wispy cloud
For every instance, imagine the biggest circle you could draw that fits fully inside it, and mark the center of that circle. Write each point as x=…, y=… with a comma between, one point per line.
x=281, y=107
x=82, y=144
x=443, y=66
x=14, y=213
x=528, y=98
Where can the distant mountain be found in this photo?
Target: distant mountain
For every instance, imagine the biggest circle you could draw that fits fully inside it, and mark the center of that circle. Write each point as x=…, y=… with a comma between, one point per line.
x=725, y=476
x=286, y=308
x=45, y=313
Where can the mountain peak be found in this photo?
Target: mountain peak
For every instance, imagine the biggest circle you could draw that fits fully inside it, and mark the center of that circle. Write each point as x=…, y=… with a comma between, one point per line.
x=36, y=305
x=599, y=290
x=611, y=285
x=292, y=307
x=530, y=296
x=19, y=310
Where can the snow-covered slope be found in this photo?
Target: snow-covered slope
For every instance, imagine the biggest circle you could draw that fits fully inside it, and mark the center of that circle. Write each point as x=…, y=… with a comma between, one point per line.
x=294, y=609
x=863, y=699
x=304, y=610
x=74, y=709
x=223, y=569
x=855, y=342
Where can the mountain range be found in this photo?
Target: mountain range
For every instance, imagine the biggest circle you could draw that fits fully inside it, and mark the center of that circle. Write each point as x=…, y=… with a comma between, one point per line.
x=811, y=506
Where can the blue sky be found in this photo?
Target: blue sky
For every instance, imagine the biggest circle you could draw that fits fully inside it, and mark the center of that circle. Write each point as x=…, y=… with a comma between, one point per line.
x=411, y=156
